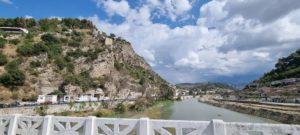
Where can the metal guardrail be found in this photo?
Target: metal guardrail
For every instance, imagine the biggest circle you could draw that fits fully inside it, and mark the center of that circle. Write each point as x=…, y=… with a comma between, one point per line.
x=58, y=125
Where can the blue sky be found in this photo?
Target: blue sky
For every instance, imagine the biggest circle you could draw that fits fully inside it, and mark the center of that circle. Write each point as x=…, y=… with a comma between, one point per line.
x=230, y=41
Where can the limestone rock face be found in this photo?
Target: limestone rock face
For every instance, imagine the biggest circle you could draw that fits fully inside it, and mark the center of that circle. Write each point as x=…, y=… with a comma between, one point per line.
x=88, y=61
x=72, y=90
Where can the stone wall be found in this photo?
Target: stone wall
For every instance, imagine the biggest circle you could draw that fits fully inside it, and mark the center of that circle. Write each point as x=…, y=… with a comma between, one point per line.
x=273, y=114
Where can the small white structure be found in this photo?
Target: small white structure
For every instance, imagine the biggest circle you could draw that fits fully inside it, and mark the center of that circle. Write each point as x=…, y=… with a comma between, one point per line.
x=86, y=98
x=51, y=99
x=14, y=29
x=108, y=41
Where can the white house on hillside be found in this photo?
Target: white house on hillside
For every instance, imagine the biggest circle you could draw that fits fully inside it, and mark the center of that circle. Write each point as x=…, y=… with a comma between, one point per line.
x=52, y=99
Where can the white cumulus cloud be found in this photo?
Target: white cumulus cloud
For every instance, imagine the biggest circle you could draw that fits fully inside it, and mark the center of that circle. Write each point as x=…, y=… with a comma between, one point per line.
x=229, y=39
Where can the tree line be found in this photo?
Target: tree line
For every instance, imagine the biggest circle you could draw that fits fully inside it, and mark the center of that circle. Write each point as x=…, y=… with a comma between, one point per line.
x=46, y=24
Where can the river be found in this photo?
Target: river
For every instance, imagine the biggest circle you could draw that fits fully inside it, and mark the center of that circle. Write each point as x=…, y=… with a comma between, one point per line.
x=191, y=109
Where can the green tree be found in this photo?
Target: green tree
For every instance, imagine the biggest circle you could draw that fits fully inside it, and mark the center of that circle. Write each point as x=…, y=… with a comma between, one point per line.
x=31, y=50
x=30, y=23
x=14, y=41
x=20, y=22
x=35, y=64
x=41, y=110
x=50, y=39
x=13, y=78
x=60, y=62
x=120, y=108
x=2, y=42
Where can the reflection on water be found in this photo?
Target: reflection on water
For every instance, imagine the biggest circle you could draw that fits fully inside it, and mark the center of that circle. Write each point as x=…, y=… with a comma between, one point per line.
x=193, y=110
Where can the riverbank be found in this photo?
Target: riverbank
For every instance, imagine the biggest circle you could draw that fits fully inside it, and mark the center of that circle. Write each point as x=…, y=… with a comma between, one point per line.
x=283, y=114
x=159, y=110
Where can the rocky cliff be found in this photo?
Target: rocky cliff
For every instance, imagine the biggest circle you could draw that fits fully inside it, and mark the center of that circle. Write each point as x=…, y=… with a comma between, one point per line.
x=60, y=57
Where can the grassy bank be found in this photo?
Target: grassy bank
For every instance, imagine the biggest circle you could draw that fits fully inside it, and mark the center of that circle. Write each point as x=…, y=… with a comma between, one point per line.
x=159, y=110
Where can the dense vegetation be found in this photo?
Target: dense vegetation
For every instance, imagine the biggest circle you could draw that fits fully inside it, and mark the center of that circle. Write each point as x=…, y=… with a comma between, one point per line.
x=46, y=24
x=287, y=67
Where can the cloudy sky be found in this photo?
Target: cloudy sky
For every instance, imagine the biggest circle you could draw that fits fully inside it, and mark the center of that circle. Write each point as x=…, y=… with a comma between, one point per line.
x=233, y=41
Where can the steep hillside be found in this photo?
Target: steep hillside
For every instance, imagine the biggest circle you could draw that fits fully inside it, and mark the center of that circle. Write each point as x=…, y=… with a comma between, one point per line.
x=70, y=56
x=282, y=81
x=287, y=67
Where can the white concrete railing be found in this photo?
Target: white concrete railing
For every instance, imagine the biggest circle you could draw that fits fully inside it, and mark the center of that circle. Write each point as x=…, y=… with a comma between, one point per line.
x=57, y=125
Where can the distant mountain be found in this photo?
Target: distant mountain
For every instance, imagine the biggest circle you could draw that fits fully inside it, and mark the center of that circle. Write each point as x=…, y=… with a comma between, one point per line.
x=205, y=86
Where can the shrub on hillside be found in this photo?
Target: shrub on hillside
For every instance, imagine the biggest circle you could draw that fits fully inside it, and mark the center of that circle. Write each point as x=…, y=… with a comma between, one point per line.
x=50, y=39
x=54, y=51
x=74, y=44
x=58, y=93
x=41, y=110
x=60, y=63
x=31, y=50
x=14, y=41
x=35, y=64
x=2, y=42
x=13, y=78
x=3, y=59
x=120, y=108
x=75, y=54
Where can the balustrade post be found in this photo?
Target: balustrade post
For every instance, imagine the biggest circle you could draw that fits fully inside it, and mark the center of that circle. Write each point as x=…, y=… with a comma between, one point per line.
x=46, y=130
x=13, y=124
x=144, y=126
x=89, y=128
x=219, y=127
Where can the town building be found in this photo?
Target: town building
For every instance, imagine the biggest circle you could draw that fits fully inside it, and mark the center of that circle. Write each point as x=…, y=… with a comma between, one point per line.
x=47, y=99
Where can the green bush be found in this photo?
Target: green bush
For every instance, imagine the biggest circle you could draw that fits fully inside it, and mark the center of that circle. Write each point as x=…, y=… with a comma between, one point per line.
x=54, y=50
x=13, y=78
x=75, y=54
x=35, y=64
x=92, y=54
x=2, y=42
x=31, y=50
x=3, y=59
x=118, y=65
x=60, y=62
x=58, y=93
x=104, y=105
x=14, y=41
x=120, y=108
x=63, y=40
x=70, y=67
x=41, y=110
x=74, y=44
x=13, y=65
x=77, y=38
x=50, y=39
